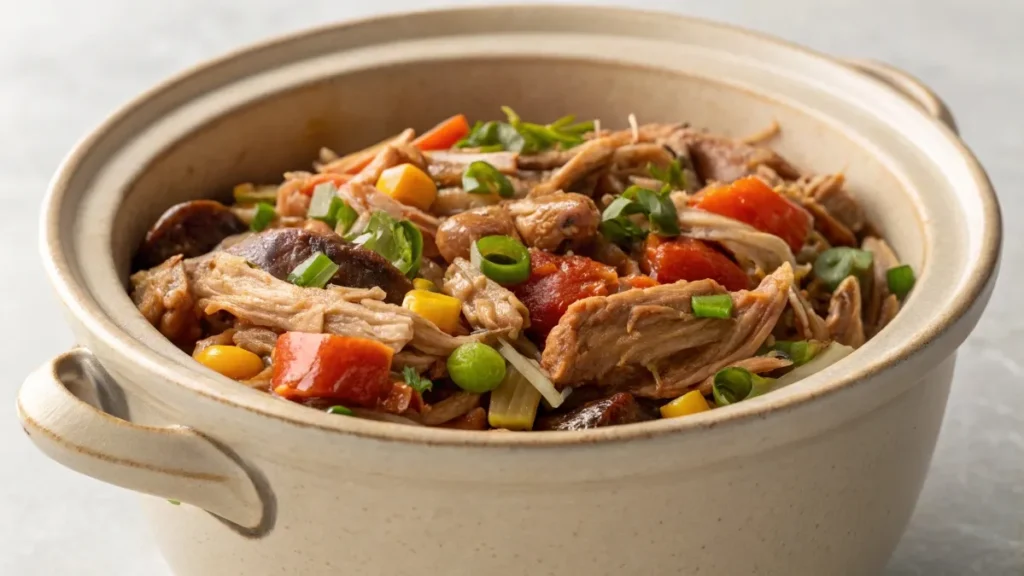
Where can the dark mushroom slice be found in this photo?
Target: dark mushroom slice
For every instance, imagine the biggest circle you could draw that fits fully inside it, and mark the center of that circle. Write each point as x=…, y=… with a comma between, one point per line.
x=278, y=251
x=619, y=408
x=191, y=229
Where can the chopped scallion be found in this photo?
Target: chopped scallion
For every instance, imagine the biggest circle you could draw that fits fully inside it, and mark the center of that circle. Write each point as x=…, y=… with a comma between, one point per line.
x=314, y=272
x=833, y=265
x=264, y=215
x=901, y=280
x=483, y=178
x=712, y=306
x=339, y=409
x=330, y=209
x=801, y=351
x=734, y=384
x=502, y=259
x=248, y=194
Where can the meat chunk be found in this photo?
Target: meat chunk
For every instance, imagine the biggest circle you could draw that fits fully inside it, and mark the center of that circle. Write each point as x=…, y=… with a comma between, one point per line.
x=809, y=325
x=259, y=341
x=844, y=314
x=454, y=200
x=279, y=250
x=457, y=234
x=720, y=159
x=546, y=159
x=589, y=158
x=485, y=304
x=620, y=408
x=189, y=229
x=164, y=297
x=447, y=166
x=828, y=190
x=450, y=408
x=655, y=329
x=880, y=306
x=556, y=220
x=555, y=282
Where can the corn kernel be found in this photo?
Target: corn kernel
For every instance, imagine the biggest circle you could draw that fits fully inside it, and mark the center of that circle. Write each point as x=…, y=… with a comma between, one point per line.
x=231, y=361
x=441, y=309
x=424, y=284
x=409, y=185
x=692, y=402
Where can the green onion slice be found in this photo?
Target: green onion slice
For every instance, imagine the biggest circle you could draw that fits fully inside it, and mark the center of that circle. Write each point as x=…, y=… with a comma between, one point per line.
x=712, y=306
x=482, y=178
x=901, y=280
x=833, y=265
x=671, y=176
x=314, y=272
x=400, y=242
x=734, y=384
x=502, y=259
x=264, y=215
x=339, y=409
x=801, y=351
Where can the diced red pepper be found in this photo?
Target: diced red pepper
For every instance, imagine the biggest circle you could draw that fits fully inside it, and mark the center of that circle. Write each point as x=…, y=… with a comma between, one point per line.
x=555, y=282
x=752, y=201
x=681, y=258
x=640, y=281
x=352, y=371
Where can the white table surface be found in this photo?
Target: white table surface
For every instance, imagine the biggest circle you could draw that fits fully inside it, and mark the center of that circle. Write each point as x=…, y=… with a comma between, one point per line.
x=65, y=64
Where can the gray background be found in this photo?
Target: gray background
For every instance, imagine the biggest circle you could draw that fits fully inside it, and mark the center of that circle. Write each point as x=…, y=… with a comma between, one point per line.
x=65, y=64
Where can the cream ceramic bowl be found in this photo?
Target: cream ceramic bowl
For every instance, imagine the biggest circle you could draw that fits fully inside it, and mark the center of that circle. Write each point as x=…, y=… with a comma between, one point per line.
x=818, y=478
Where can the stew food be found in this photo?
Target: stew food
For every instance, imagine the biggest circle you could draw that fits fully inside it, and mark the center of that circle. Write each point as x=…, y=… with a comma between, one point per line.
x=522, y=276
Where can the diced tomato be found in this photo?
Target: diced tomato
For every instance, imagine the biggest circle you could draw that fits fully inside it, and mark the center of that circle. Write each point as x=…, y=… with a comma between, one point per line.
x=640, y=281
x=317, y=179
x=352, y=371
x=555, y=282
x=444, y=135
x=681, y=258
x=752, y=201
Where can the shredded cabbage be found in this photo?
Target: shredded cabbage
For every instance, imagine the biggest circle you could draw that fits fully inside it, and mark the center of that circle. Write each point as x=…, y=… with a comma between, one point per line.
x=531, y=370
x=827, y=357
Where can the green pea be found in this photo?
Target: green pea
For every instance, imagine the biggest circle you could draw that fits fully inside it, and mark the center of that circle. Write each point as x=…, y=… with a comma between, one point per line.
x=476, y=367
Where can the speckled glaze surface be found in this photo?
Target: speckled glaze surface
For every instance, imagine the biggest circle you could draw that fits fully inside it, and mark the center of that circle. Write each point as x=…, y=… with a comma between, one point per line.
x=818, y=478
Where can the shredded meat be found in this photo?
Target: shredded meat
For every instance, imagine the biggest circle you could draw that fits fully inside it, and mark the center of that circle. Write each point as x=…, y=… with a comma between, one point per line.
x=259, y=341
x=446, y=167
x=654, y=328
x=556, y=220
x=485, y=304
x=456, y=235
x=809, y=325
x=844, y=314
x=453, y=201
x=879, y=308
x=450, y=408
x=164, y=296
x=590, y=157
x=720, y=159
x=754, y=364
x=827, y=190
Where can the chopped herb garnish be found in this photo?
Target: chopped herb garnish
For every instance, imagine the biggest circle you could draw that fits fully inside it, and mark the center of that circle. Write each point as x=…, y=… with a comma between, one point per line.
x=618, y=227
x=400, y=241
x=671, y=176
x=329, y=208
x=340, y=410
x=415, y=381
x=483, y=178
x=712, y=306
x=526, y=137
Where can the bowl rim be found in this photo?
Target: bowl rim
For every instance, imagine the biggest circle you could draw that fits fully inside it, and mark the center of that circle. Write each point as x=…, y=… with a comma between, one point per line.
x=76, y=298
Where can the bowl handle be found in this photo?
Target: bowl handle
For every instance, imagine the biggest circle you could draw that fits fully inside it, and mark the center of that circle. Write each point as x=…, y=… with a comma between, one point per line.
x=907, y=85
x=173, y=462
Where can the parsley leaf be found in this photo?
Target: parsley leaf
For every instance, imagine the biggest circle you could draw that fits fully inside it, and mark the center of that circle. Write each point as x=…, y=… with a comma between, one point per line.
x=617, y=226
x=415, y=381
x=671, y=176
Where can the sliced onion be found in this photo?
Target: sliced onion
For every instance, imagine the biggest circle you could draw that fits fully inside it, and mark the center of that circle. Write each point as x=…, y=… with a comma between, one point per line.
x=531, y=370
x=827, y=357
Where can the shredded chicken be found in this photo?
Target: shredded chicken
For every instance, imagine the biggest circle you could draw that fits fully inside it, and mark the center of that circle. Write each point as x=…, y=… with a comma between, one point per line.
x=450, y=408
x=164, y=296
x=590, y=157
x=751, y=248
x=880, y=305
x=486, y=304
x=447, y=167
x=844, y=314
x=654, y=328
x=809, y=325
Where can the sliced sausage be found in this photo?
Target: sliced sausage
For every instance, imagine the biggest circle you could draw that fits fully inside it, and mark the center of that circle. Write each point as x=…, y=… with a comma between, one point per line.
x=456, y=235
x=191, y=229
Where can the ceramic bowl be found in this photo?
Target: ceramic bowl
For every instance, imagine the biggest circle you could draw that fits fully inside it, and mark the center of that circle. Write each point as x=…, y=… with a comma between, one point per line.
x=817, y=478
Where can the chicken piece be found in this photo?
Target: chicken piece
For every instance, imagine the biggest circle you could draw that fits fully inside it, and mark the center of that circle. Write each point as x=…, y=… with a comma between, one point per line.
x=655, y=329
x=753, y=249
x=447, y=166
x=590, y=157
x=485, y=304
x=556, y=221
x=809, y=325
x=456, y=235
x=844, y=314
x=720, y=159
x=879, y=308
x=164, y=297
x=453, y=200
